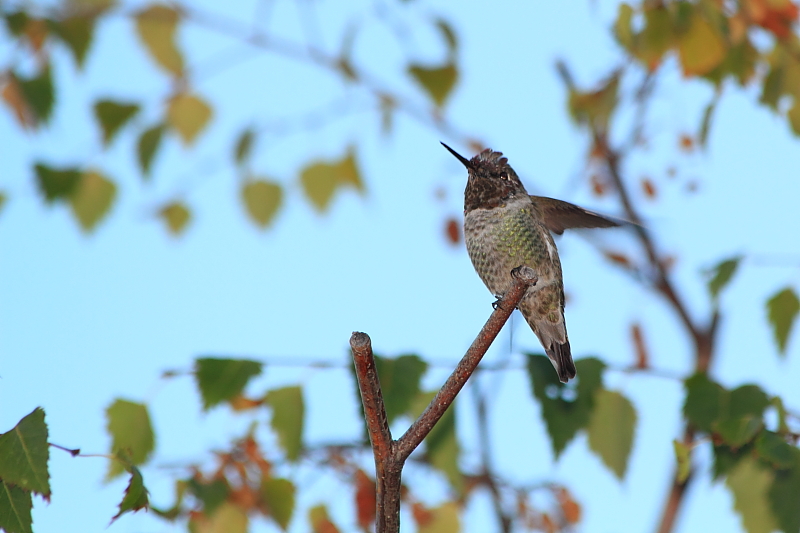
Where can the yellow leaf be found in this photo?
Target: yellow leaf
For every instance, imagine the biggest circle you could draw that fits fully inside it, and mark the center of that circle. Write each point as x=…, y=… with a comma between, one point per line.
x=701, y=48
x=176, y=215
x=444, y=520
x=227, y=518
x=188, y=114
x=92, y=199
x=750, y=484
x=156, y=26
x=320, y=521
x=437, y=82
x=321, y=180
x=262, y=200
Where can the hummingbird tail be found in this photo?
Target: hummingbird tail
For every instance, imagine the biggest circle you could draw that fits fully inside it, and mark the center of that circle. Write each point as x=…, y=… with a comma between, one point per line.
x=561, y=357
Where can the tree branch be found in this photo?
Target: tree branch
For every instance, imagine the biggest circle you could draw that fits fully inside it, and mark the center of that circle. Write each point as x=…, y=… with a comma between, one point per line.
x=524, y=277
x=390, y=456
x=703, y=337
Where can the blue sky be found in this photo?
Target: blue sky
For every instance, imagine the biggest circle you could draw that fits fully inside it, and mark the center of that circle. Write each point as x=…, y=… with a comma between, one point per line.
x=84, y=320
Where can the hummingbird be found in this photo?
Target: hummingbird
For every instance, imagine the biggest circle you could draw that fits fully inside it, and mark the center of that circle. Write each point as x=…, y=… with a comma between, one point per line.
x=505, y=227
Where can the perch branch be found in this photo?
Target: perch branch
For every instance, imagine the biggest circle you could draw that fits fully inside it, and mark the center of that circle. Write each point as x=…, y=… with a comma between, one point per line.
x=390, y=456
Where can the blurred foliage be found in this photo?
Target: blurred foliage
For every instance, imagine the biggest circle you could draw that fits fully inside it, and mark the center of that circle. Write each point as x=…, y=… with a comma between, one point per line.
x=752, y=437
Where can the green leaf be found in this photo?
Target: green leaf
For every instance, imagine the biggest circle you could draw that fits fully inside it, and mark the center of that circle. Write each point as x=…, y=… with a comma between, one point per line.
x=783, y=496
x=244, y=145
x=92, y=199
x=39, y=94
x=566, y=408
x=24, y=453
x=321, y=180
x=279, y=496
x=112, y=116
x=444, y=519
x=705, y=403
x=782, y=311
x=438, y=82
x=737, y=432
x=227, y=518
x=76, y=32
x=726, y=458
x=262, y=199
x=176, y=215
x=749, y=482
x=399, y=378
x=147, y=146
x=774, y=449
x=16, y=22
x=188, y=115
x=705, y=126
x=211, y=494
x=722, y=274
x=156, y=27
x=611, y=429
x=136, y=495
x=56, y=184
x=221, y=380
x=683, y=459
x=131, y=433
x=15, y=509
x=794, y=116
x=747, y=400
x=287, y=418
x=701, y=48
x=442, y=448
x=449, y=35
x=3, y=200
x=171, y=514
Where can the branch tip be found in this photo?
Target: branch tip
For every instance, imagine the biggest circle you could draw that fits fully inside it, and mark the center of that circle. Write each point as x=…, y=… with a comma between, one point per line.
x=525, y=274
x=359, y=340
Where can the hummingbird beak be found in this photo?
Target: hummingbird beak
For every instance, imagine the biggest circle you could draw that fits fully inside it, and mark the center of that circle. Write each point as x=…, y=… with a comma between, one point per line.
x=464, y=161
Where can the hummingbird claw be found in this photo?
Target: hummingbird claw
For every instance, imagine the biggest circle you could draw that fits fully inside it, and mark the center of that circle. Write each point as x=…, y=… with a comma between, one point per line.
x=496, y=303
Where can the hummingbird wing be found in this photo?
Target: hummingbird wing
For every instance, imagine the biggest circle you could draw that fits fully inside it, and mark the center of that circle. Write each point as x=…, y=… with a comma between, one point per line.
x=560, y=215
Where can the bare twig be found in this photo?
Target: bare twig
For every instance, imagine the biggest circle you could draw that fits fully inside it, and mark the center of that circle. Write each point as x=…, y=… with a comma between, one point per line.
x=703, y=336
x=387, y=468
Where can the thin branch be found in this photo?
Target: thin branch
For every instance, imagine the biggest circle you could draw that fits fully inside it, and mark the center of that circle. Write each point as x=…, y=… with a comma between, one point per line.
x=524, y=277
x=703, y=337
x=387, y=468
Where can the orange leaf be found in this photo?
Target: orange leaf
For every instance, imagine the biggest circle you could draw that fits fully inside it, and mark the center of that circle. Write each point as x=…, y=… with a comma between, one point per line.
x=649, y=188
x=13, y=97
x=686, y=143
x=253, y=453
x=365, y=500
x=569, y=507
x=245, y=497
x=617, y=258
x=240, y=403
x=642, y=359
x=548, y=525
x=453, y=231
x=421, y=515
x=36, y=31
x=599, y=185
x=776, y=16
